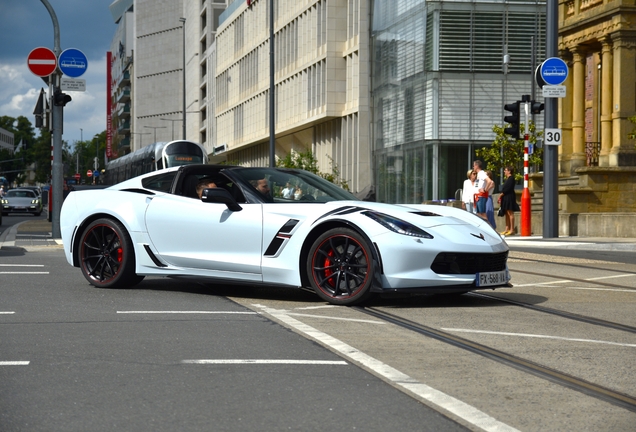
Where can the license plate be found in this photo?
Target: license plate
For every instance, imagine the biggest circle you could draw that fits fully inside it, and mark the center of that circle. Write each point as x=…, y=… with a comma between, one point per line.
x=491, y=278
x=20, y=208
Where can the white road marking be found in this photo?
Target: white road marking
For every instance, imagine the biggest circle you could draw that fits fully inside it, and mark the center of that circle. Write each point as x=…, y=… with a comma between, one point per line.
x=261, y=361
x=25, y=273
x=14, y=363
x=335, y=318
x=6, y=313
x=538, y=336
x=588, y=279
x=21, y=265
x=447, y=402
x=317, y=307
x=187, y=312
x=611, y=277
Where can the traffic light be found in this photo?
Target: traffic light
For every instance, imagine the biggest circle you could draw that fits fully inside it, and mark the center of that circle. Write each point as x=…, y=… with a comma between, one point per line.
x=536, y=107
x=61, y=99
x=513, y=119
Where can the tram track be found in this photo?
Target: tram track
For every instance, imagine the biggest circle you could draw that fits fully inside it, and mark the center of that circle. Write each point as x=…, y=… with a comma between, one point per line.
x=591, y=389
x=559, y=313
x=596, y=282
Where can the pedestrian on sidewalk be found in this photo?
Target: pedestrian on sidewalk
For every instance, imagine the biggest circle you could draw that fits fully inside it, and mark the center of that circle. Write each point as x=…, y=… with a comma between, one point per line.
x=468, y=192
x=508, y=200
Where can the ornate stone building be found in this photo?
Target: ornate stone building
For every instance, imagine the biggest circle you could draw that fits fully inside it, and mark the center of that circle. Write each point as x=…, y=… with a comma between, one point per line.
x=597, y=160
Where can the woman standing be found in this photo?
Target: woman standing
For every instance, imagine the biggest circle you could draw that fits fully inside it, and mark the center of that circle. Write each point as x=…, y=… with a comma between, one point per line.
x=490, y=207
x=508, y=200
x=468, y=192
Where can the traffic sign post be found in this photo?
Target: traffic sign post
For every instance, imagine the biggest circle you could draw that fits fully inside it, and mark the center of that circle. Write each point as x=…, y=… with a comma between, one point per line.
x=42, y=61
x=89, y=173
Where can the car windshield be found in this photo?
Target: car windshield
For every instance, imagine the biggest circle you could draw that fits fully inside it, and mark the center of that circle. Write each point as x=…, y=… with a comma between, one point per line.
x=289, y=185
x=20, y=194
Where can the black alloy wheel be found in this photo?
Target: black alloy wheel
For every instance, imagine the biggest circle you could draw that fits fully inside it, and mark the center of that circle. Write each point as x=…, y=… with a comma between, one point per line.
x=106, y=255
x=340, y=267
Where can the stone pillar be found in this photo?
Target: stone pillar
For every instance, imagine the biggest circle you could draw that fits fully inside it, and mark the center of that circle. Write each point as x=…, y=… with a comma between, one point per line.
x=565, y=118
x=577, y=157
x=623, y=152
x=607, y=67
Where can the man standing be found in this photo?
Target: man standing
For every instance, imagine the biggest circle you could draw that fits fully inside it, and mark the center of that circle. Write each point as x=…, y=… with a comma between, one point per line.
x=483, y=184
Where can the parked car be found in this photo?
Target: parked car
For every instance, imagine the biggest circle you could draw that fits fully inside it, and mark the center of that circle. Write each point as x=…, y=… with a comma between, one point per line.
x=246, y=229
x=21, y=201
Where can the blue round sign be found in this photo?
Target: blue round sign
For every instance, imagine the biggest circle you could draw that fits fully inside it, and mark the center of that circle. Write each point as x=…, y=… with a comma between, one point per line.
x=72, y=62
x=554, y=71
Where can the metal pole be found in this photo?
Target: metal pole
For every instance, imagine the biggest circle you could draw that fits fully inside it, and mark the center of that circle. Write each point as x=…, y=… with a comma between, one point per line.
x=272, y=89
x=550, y=152
x=526, y=202
x=183, y=20
x=57, y=113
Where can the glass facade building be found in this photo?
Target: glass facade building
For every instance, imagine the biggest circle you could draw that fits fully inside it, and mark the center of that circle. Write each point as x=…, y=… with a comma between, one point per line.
x=439, y=84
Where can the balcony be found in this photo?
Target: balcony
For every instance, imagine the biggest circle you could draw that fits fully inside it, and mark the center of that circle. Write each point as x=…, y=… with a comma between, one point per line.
x=124, y=128
x=124, y=79
x=124, y=95
x=124, y=111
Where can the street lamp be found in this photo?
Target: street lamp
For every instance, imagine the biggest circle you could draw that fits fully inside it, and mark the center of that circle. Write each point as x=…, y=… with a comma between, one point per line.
x=155, y=128
x=183, y=20
x=172, y=120
x=141, y=140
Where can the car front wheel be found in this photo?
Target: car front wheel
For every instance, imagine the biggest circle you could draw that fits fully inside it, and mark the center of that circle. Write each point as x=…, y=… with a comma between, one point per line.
x=106, y=255
x=340, y=267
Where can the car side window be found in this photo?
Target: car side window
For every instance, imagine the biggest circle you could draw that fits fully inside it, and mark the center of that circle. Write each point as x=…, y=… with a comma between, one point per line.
x=160, y=182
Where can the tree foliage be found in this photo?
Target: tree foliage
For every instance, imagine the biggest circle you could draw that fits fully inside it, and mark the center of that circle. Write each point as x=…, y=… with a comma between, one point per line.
x=308, y=162
x=506, y=150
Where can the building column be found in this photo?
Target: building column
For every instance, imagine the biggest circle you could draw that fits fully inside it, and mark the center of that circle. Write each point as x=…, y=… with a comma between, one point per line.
x=623, y=152
x=565, y=118
x=607, y=67
x=577, y=157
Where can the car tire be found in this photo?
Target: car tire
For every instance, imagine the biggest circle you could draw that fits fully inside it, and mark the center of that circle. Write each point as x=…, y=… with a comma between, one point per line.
x=106, y=255
x=340, y=267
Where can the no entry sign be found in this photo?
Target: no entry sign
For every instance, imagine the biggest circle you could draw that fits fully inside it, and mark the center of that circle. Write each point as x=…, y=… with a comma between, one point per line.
x=42, y=61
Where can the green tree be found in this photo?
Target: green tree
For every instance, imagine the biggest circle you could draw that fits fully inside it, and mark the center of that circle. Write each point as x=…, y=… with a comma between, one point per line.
x=506, y=150
x=308, y=162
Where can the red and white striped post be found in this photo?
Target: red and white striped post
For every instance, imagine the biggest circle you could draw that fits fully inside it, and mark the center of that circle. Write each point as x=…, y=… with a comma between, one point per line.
x=526, y=210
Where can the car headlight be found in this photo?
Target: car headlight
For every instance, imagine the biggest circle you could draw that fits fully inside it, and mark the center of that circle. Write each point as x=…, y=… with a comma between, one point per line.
x=35, y=201
x=397, y=225
x=4, y=201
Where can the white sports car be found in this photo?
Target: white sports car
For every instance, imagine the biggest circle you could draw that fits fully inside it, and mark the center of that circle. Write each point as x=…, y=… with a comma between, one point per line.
x=248, y=227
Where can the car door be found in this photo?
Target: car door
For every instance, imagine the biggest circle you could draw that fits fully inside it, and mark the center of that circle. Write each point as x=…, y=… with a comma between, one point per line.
x=190, y=233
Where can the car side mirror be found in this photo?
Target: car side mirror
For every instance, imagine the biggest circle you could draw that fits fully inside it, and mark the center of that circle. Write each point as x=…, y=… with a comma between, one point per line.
x=220, y=196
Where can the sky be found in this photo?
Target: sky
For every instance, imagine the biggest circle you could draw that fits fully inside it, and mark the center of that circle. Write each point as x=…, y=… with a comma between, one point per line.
x=86, y=25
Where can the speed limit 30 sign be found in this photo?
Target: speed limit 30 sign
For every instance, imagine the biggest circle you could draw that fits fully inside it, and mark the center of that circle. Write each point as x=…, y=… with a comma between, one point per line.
x=552, y=136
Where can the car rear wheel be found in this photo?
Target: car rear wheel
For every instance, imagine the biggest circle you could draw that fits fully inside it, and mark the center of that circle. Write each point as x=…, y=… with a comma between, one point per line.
x=106, y=255
x=340, y=267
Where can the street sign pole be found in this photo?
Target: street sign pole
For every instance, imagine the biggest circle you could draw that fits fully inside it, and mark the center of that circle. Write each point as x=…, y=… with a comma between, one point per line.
x=551, y=152
x=57, y=112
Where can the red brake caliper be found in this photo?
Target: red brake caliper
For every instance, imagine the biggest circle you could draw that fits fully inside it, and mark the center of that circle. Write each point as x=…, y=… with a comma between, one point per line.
x=328, y=271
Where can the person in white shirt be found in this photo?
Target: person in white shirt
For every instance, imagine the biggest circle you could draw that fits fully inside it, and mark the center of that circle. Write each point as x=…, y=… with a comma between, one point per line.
x=468, y=192
x=483, y=185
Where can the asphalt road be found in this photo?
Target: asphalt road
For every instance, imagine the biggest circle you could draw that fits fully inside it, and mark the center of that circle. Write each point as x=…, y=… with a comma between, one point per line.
x=176, y=354
x=170, y=355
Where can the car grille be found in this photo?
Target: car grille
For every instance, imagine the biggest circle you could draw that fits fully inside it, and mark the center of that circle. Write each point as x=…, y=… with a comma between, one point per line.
x=469, y=263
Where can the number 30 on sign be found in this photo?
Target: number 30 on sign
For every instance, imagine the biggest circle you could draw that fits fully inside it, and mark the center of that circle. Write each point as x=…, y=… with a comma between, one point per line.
x=552, y=136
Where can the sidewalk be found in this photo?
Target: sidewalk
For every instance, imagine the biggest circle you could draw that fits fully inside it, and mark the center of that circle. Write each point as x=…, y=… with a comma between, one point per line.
x=38, y=233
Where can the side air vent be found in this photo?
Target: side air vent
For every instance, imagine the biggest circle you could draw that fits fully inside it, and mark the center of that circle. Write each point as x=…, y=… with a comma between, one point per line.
x=153, y=257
